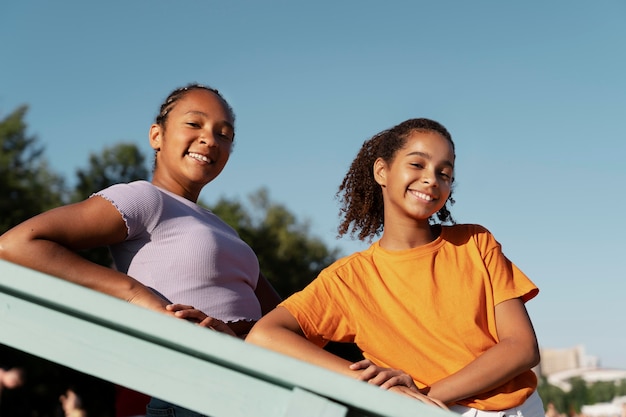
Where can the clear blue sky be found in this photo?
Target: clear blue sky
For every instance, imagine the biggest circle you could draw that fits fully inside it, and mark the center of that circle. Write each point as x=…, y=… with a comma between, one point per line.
x=534, y=94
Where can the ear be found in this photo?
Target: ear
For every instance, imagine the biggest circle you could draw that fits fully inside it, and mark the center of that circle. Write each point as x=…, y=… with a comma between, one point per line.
x=155, y=136
x=380, y=172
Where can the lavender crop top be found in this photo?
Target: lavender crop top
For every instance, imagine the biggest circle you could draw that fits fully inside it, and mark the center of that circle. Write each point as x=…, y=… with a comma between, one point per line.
x=185, y=252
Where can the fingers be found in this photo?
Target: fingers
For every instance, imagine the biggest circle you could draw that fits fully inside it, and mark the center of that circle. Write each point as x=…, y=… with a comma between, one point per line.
x=418, y=396
x=392, y=381
x=178, y=307
x=194, y=315
x=217, y=325
x=384, y=377
x=362, y=364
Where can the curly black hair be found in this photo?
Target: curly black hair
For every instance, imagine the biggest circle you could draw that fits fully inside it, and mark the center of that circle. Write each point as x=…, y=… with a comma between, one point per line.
x=360, y=196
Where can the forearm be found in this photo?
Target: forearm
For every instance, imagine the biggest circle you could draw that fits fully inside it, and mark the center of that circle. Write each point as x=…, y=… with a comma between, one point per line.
x=54, y=259
x=495, y=367
x=293, y=344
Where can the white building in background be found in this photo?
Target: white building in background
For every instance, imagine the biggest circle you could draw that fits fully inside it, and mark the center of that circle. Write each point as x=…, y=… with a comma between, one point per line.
x=560, y=365
x=557, y=360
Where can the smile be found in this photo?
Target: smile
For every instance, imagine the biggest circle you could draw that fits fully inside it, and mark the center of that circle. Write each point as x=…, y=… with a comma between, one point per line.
x=422, y=196
x=199, y=157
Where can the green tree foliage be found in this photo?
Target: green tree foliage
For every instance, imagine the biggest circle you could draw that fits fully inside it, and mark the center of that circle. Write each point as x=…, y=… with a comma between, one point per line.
x=289, y=256
x=552, y=394
x=602, y=391
x=123, y=162
x=120, y=163
x=581, y=393
x=27, y=185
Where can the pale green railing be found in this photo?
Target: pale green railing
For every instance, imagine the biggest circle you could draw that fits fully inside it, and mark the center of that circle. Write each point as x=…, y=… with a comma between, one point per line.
x=174, y=360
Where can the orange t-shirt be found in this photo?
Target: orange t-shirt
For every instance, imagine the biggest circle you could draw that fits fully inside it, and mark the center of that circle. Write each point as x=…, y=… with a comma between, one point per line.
x=429, y=311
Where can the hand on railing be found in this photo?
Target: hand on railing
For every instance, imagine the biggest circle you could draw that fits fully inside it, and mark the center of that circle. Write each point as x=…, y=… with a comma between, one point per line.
x=417, y=395
x=196, y=316
x=392, y=380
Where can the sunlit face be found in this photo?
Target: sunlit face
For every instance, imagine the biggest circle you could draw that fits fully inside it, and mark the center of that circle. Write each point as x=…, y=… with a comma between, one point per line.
x=418, y=181
x=195, y=144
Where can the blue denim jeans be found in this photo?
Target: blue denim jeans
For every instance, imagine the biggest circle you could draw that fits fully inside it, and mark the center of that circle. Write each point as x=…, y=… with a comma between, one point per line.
x=160, y=408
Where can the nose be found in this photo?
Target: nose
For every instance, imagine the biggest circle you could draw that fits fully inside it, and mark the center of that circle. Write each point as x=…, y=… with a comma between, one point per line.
x=429, y=177
x=207, y=138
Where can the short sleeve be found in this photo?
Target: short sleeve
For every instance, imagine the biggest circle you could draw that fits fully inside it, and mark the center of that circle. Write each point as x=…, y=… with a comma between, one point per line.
x=139, y=203
x=507, y=280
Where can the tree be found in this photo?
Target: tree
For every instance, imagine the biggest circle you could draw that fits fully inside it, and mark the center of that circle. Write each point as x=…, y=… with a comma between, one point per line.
x=289, y=257
x=552, y=394
x=578, y=395
x=602, y=391
x=27, y=185
x=120, y=163
x=123, y=162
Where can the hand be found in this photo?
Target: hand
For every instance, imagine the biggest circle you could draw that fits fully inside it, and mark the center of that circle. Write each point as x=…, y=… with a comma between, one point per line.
x=71, y=404
x=196, y=316
x=384, y=377
x=401, y=389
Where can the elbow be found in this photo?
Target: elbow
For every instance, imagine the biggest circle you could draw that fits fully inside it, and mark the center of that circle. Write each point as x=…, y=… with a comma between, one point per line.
x=256, y=336
x=534, y=357
x=530, y=356
x=13, y=246
x=533, y=352
x=5, y=248
x=526, y=354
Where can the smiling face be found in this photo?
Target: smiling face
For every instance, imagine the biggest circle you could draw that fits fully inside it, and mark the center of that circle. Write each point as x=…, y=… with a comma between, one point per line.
x=417, y=183
x=193, y=145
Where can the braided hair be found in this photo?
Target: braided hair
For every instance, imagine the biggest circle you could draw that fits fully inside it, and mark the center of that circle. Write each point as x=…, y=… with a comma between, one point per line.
x=179, y=93
x=361, y=198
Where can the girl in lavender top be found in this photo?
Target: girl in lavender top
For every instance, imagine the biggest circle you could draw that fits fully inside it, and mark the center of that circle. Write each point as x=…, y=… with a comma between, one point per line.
x=166, y=248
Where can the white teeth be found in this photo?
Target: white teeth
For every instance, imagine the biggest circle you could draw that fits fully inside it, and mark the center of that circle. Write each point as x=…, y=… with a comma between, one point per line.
x=423, y=196
x=199, y=157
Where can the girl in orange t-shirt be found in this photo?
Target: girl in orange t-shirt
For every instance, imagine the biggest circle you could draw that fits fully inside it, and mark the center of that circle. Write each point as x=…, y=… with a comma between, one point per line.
x=437, y=309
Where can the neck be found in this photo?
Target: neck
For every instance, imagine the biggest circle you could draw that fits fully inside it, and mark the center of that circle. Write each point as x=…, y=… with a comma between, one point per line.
x=173, y=187
x=402, y=236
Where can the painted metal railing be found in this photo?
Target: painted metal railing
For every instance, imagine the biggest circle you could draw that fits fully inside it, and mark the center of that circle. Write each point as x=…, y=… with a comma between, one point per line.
x=171, y=359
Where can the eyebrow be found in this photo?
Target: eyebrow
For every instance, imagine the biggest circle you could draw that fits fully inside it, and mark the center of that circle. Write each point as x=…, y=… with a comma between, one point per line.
x=203, y=114
x=429, y=157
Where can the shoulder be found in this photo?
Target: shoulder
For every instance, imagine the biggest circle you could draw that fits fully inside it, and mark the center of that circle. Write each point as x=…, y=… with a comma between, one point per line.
x=465, y=230
x=136, y=191
x=132, y=188
x=139, y=202
x=345, y=266
x=474, y=234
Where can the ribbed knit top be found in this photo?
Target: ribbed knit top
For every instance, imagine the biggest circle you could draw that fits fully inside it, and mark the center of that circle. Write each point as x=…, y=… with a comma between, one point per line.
x=184, y=252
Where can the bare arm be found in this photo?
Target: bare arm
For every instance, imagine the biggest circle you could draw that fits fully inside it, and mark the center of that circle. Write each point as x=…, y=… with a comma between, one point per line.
x=280, y=331
x=516, y=352
x=48, y=242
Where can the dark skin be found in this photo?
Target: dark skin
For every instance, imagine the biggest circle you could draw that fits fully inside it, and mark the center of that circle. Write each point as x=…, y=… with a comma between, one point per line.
x=415, y=185
x=192, y=147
